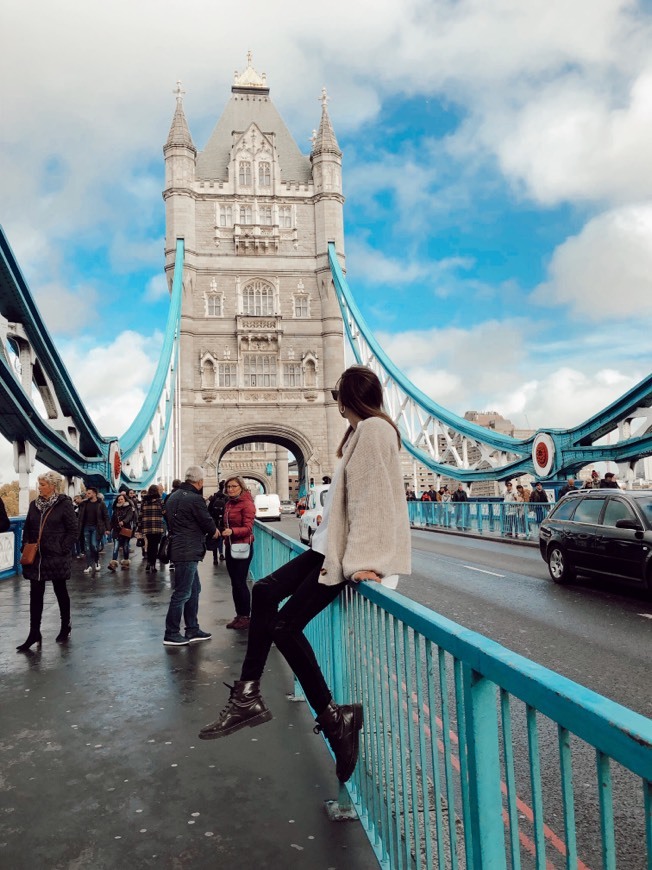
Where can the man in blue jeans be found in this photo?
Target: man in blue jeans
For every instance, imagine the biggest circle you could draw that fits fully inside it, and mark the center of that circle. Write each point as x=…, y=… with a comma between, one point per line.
x=188, y=522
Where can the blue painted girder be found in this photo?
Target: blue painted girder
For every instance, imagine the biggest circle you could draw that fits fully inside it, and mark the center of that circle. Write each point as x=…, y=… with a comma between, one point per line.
x=573, y=447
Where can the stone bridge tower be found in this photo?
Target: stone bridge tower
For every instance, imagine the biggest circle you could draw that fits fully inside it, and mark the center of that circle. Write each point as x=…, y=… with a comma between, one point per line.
x=261, y=331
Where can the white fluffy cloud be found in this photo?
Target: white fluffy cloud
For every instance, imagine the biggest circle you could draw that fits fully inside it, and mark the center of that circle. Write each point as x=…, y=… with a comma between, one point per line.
x=606, y=270
x=113, y=379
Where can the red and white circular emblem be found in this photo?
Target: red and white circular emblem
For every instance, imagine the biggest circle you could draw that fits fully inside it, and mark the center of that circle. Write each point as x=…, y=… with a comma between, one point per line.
x=543, y=454
x=115, y=464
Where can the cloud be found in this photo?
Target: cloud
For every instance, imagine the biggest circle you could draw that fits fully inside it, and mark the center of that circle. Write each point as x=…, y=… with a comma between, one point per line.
x=605, y=270
x=490, y=367
x=157, y=288
x=113, y=379
x=67, y=311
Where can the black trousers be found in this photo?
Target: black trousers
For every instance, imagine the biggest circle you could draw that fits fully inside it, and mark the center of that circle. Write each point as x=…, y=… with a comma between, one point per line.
x=36, y=594
x=299, y=580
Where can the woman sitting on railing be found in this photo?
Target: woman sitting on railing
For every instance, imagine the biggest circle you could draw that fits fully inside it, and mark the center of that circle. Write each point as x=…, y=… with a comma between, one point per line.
x=364, y=535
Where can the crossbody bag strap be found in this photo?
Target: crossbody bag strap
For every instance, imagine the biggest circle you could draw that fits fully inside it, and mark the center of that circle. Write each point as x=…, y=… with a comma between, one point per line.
x=44, y=520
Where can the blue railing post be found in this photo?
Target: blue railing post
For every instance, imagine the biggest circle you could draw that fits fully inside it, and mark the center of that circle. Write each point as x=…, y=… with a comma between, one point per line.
x=481, y=732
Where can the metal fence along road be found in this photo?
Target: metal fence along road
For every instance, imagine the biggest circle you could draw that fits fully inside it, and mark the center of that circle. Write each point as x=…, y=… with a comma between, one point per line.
x=512, y=520
x=471, y=755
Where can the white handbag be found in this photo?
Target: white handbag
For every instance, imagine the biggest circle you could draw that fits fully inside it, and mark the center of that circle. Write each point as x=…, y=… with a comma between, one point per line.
x=240, y=551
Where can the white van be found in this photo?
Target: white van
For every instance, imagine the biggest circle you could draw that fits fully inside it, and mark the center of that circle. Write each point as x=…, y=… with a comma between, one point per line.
x=268, y=507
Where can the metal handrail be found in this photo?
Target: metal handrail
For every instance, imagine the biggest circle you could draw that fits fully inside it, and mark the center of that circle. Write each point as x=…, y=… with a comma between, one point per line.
x=468, y=749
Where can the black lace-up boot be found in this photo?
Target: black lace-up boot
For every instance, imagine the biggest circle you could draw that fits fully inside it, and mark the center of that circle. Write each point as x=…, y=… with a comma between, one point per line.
x=341, y=726
x=245, y=708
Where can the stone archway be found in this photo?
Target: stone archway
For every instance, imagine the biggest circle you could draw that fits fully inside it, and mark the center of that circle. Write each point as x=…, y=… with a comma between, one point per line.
x=286, y=437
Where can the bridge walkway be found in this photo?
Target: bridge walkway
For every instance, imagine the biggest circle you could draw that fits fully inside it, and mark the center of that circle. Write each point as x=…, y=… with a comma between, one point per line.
x=100, y=762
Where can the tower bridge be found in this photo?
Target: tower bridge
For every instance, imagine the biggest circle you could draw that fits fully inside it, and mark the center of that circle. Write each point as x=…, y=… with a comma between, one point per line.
x=260, y=311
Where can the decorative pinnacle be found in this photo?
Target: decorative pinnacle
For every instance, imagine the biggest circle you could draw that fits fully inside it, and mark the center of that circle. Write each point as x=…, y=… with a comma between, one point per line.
x=324, y=98
x=179, y=92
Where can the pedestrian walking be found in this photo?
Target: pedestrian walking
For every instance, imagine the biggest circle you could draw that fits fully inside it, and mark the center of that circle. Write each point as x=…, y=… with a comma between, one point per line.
x=122, y=526
x=151, y=525
x=93, y=521
x=52, y=526
x=364, y=535
x=188, y=524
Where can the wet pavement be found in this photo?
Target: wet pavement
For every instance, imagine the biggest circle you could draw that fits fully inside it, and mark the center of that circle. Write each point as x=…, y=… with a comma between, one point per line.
x=100, y=764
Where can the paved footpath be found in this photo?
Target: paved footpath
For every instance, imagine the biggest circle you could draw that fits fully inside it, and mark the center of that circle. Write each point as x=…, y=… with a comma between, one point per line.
x=100, y=764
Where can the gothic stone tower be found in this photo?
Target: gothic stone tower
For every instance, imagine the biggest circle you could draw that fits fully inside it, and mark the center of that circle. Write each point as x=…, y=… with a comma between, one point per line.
x=261, y=331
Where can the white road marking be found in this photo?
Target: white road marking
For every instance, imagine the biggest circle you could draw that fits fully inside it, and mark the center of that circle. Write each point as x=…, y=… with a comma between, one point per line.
x=482, y=571
x=646, y=615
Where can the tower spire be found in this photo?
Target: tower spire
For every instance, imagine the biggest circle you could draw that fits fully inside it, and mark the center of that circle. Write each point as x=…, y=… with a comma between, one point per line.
x=325, y=139
x=179, y=133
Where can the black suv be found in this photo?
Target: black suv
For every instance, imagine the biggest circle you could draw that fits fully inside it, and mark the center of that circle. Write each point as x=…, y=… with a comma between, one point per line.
x=600, y=532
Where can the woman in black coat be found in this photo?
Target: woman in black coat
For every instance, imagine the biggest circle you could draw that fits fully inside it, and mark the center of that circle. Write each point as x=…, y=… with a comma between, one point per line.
x=53, y=515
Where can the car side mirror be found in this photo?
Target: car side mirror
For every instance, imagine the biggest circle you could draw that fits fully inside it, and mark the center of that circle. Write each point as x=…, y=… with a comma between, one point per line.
x=634, y=525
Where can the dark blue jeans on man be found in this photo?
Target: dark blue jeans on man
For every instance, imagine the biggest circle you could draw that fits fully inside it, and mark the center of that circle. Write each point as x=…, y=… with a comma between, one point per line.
x=184, y=600
x=91, y=544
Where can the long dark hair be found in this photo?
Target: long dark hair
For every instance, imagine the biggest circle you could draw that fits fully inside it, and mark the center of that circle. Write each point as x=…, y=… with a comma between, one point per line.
x=359, y=390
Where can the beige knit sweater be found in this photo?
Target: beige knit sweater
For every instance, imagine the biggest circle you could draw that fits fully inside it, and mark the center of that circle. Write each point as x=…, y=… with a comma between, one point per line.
x=368, y=527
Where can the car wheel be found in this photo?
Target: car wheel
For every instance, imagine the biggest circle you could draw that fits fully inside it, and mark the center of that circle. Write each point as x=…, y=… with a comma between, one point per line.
x=558, y=566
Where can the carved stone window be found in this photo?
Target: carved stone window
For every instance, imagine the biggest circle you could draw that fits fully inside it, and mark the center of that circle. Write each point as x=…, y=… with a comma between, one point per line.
x=265, y=214
x=292, y=375
x=226, y=216
x=259, y=370
x=258, y=299
x=285, y=217
x=244, y=173
x=310, y=373
x=246, y=214
x=227, y=375
x=264, y=174
x=302, y=305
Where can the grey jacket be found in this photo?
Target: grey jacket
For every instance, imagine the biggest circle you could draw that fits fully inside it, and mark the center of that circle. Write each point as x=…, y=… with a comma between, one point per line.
x=188, y=522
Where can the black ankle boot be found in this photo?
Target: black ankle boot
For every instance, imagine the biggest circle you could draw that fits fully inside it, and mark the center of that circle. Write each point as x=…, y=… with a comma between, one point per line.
x=33, y=637
x=245, y=707
x=341, y=726
x=64, y=634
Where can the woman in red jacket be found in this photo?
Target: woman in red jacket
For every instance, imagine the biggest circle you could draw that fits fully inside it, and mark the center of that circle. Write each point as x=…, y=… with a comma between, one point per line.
x=239, y=515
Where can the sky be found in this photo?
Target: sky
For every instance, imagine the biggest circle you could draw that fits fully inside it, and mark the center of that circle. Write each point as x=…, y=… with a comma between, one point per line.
x=497, y=174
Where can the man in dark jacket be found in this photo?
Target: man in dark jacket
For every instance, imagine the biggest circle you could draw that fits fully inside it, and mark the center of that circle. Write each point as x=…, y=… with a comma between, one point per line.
x=216, y=506
x=188, y=523
x=93, y=521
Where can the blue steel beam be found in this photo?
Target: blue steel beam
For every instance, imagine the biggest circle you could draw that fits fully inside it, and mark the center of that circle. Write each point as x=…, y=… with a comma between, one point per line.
x=566, y=450
x=139, y=428
x=18, y=306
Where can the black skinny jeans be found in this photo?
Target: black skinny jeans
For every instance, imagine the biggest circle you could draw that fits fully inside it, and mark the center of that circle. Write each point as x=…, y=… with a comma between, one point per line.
x=238, y=572
x=153, y=542
x=299, y=579
x=36, y=593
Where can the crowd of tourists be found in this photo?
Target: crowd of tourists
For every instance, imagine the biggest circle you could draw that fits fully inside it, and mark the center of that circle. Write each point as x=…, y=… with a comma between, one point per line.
x=180, y=527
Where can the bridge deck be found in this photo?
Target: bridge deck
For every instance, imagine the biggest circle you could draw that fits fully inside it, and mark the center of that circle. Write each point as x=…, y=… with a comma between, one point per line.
x=101, y=765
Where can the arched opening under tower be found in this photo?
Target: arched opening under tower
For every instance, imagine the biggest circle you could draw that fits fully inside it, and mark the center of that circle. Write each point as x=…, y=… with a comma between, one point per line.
x=272, y=457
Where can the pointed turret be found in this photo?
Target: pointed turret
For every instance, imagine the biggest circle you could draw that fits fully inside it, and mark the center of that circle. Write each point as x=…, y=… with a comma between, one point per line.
x=179, y=133
x=180, y=162
x=324, y=140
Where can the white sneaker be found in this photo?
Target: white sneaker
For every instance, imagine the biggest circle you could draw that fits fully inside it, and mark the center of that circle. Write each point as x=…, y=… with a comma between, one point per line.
x=88, y=570
x=97, y=566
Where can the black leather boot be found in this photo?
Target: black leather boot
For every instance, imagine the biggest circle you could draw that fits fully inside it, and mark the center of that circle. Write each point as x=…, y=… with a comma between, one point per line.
x=33, y=637
x=341, y=726
x=64, y=634
x=245, y=707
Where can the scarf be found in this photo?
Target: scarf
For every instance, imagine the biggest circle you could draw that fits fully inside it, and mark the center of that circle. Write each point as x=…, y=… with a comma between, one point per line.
x=44, y=504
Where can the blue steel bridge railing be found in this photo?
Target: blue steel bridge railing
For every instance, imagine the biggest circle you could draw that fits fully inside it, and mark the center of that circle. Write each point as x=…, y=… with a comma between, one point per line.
x=471, y=755
x=484, y=517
